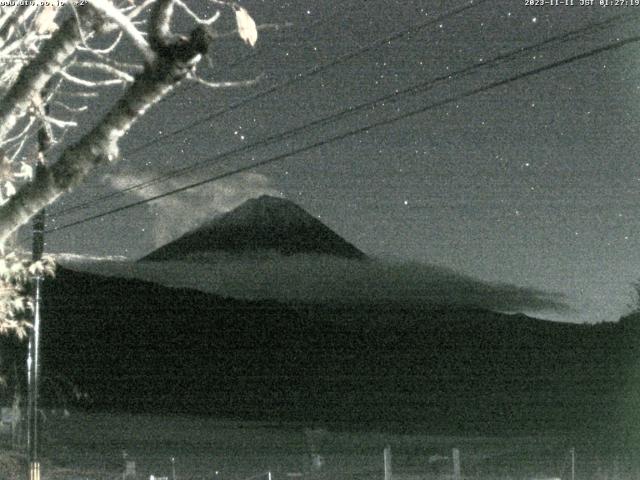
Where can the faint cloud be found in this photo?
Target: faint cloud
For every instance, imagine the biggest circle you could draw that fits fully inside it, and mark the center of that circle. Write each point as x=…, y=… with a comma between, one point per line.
x=335, y=281
x=72, y=258
x=175, y=215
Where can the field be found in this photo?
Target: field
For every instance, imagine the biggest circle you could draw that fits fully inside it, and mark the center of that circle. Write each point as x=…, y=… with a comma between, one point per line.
x=96, y=446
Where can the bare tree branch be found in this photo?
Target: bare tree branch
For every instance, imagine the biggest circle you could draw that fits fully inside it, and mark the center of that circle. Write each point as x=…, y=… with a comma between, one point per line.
x=79, y=94
x=225, y=84
x=160, y=19
x=59, y=123
x=103, y=67
x=100, y=145
x=140, y=8
x=109, y=10
x=7, y=15
x=34, y=76
x=196, y=18
x=20, y=134
x=70, y=109
x=42, y=64
x=88, y=83
x=15, y=17
x=18, y=149
x=103, y=51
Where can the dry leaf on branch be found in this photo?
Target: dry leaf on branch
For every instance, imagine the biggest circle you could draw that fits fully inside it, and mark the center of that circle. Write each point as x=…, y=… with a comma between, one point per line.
x=246, y=26
x=45, y=21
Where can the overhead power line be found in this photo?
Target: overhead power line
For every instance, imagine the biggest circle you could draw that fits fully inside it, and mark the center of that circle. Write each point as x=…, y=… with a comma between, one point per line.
x=310, y=73
x=243, y=59
x=475, y=91
x=413, y=89
x=296, y=78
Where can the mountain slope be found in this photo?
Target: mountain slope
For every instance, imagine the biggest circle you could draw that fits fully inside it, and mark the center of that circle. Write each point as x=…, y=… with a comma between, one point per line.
x=259, y=225
x=140, y=346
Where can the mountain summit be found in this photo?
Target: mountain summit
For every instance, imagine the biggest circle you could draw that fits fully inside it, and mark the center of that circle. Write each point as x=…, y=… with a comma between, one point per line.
x=259, y=225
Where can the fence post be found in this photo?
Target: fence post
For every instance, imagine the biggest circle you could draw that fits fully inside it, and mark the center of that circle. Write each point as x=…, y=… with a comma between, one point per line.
x=129, y=470
x=456, y=464
x=387, y=463
x=615, y=475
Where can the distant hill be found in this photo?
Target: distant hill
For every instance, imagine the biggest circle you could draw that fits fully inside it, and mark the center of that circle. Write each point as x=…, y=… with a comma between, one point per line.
x=379, y=362
x=259, y=225
x=140, y=346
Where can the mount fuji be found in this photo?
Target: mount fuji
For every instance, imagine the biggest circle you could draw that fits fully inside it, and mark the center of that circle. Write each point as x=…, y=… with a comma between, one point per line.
x=260, y=225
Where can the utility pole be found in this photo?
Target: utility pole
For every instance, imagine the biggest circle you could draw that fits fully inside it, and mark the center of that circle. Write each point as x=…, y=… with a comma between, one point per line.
x=33, y=357
x=573, y=463
x=455, y=454
x=388, y=474
x=33, y=360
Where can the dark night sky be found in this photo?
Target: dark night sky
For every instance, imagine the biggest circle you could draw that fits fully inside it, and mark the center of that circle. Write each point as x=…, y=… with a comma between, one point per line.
x=533, y=183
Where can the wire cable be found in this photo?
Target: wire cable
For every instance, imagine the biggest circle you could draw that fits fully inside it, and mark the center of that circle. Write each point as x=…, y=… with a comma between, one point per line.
x=310, y=73
x=359, y=130
x=421, y=87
